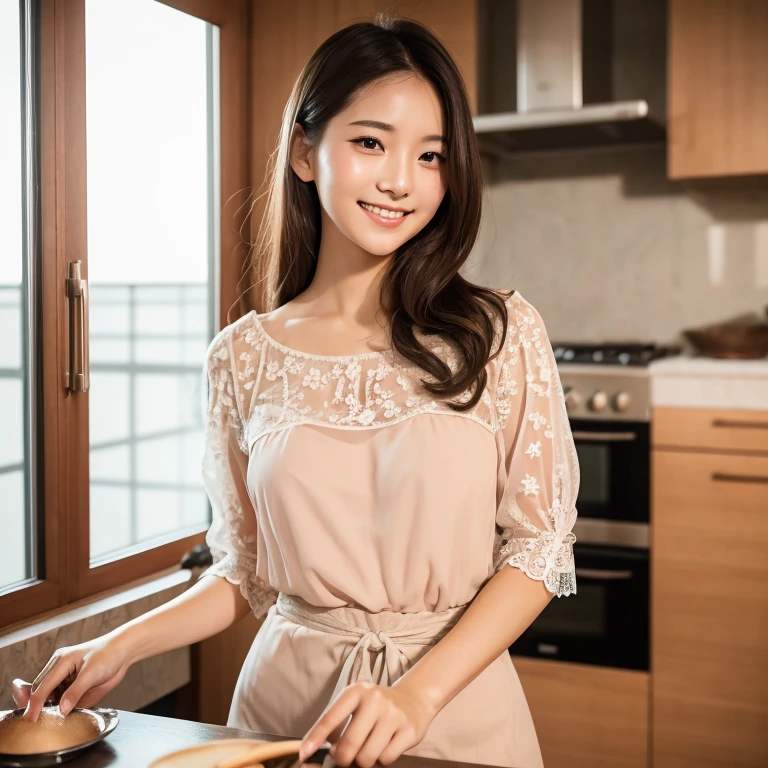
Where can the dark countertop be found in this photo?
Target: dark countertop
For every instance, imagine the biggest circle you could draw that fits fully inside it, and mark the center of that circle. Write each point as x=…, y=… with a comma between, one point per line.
x=140, y=739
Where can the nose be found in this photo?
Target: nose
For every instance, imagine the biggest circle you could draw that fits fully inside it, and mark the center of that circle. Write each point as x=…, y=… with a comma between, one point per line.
x=397, y=175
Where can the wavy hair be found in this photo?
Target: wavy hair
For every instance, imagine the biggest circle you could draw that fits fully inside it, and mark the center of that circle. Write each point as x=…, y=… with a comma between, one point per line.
x=421, y=288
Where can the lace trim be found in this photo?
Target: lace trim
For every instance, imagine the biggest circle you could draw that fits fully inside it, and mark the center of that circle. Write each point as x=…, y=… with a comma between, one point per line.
x=279, y=387
x=240, y=570
x=546, y=557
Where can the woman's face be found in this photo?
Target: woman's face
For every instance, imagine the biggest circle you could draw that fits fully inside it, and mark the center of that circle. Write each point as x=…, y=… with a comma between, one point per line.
x=386, y=150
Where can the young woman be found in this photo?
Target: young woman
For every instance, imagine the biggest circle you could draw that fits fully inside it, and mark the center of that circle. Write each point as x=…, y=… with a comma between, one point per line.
x=382, y=441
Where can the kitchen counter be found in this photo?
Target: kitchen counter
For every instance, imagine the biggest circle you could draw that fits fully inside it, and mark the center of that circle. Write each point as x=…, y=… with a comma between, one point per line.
x=703, y=382
x=140, y=739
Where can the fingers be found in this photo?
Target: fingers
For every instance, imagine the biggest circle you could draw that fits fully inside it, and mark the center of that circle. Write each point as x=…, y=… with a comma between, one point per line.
x=366, y=755
x=355, y=735
x=20, y=691
x=398, y=744
x=80, y=693
x=336, y=715
x=52, y=675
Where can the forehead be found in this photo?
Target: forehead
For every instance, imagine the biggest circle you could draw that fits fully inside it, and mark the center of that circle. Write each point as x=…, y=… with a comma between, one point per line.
x=405, y=103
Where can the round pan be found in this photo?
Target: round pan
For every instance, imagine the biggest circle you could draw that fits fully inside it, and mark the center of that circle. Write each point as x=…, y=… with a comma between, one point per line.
x=106, y=719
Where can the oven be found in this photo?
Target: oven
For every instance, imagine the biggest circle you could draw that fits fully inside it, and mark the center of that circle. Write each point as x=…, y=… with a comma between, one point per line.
x=607, y=622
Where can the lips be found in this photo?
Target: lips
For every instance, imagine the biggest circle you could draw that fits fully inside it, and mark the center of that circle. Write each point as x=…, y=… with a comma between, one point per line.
x=384, y=207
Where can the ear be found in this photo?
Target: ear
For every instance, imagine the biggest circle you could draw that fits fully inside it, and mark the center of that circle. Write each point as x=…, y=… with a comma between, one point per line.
x=301, y=154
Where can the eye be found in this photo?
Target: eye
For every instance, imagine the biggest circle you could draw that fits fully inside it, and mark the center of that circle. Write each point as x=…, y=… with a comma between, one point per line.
x=441, y=158
x=367, y=138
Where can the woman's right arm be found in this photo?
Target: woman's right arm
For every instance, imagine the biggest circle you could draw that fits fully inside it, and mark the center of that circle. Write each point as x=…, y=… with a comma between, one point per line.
x=233, y=585
x=97, y=666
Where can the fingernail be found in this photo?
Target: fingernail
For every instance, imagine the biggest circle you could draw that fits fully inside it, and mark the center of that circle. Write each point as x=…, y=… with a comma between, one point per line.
x=63, y=706
x=306, y=750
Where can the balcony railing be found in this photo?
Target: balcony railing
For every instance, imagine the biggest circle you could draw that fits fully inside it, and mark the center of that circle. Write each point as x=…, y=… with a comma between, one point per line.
x=146, y=405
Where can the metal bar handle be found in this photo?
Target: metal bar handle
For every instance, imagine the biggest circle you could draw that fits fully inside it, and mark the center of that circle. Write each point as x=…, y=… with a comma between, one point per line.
x=601, y=575
x=724, y=477
x=740, y=424
x=77, y=378
x=605, y=437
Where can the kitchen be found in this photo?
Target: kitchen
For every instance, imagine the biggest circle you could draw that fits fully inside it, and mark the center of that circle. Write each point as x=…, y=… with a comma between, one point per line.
x=660, y=223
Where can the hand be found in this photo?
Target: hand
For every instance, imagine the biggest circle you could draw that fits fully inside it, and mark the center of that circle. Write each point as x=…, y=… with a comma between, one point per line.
x=386, y=721
x=92, y=668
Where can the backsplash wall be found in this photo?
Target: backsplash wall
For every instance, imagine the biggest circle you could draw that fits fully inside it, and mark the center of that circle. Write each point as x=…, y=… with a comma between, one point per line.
x=607, y=249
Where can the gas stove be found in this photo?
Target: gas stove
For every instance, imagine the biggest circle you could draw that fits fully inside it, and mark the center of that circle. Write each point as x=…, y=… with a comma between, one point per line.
x=608, y=381
x=612, y=353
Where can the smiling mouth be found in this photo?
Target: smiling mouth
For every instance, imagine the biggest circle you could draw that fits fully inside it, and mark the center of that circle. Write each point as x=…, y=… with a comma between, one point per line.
x=384, y=212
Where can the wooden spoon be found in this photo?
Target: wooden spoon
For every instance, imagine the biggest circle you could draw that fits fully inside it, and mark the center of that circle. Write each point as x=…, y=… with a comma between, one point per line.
x=262, y=753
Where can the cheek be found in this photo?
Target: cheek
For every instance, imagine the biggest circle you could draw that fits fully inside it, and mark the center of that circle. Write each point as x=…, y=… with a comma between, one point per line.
x=435, y=190
x=341, y=170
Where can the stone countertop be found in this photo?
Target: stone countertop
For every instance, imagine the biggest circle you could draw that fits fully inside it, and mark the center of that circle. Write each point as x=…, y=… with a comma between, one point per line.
x=140, y=739
x=703, y=382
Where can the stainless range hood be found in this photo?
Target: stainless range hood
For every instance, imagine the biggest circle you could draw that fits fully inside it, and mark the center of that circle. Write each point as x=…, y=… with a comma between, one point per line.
x=551, y=79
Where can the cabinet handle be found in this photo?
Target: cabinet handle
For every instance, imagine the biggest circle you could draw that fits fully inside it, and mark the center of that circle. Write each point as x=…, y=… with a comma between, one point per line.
x=602, y=575
x=605, y=437
x=726, y=478
x=740, y=424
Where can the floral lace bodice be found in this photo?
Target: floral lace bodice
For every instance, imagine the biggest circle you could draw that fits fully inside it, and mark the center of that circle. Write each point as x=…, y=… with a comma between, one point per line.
x=258, y=387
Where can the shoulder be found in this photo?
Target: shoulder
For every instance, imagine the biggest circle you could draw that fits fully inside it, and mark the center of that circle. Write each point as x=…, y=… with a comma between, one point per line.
x=522, y=319
x=231, y=343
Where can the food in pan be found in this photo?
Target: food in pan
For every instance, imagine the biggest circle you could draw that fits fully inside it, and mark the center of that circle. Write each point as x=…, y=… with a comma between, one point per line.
x=50, y=733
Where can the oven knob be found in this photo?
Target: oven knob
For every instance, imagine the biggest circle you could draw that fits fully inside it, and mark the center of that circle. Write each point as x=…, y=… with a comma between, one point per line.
x=598, y=401
x=621, y=401
x=572, y=399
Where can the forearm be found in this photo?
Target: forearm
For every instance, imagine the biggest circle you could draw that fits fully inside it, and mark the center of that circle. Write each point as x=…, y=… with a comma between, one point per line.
x=500, y=613
x=205, y=609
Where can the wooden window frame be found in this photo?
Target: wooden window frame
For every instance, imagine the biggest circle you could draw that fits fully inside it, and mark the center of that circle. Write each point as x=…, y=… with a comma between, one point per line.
x=64, y=454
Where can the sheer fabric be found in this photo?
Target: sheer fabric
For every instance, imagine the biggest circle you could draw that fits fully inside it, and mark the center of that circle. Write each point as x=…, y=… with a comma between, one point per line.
x=341, y=480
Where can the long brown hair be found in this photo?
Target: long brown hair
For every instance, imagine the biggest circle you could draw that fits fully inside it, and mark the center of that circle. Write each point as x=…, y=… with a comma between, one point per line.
x=422, y=288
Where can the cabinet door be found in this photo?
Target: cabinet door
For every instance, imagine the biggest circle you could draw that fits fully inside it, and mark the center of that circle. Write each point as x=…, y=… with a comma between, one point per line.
x=718, y=88
x=587, y=716
x=709, y=603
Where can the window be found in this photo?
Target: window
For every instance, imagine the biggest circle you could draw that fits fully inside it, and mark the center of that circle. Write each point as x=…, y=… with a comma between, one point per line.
x=112, y=117
x=152, y=160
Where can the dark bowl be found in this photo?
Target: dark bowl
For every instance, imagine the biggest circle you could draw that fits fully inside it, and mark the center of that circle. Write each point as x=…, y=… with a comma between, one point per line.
x=737, y=342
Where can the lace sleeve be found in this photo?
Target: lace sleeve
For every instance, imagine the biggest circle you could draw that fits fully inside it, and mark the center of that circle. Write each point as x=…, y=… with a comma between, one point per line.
x=537, y=509
x=233, y=535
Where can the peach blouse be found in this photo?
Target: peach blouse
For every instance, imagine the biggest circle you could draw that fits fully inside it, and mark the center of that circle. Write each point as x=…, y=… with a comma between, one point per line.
x=341, y=480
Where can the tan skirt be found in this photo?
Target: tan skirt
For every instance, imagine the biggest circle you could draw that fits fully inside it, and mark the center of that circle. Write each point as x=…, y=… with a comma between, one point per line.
x=303, y=656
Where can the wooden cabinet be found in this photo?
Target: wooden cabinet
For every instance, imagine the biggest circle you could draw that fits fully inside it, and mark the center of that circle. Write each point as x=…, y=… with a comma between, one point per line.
x=587, y=716
x=711, y=430
x=718, y=88
x=709, y=649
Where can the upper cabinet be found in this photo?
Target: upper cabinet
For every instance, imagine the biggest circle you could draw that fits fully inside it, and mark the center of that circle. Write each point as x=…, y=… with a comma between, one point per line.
x=718, y=88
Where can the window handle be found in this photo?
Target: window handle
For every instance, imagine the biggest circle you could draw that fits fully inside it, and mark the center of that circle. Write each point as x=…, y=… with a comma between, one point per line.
x=77, y=377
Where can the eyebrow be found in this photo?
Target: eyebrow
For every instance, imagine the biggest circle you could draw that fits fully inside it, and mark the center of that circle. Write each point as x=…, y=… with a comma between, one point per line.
x=391, y=128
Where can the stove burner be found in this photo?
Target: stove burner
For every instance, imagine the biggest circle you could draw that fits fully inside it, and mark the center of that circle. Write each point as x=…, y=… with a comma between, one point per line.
x=612, y=353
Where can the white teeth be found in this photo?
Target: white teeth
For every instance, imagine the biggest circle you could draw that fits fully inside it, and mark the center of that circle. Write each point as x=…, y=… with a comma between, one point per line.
x=382, y=212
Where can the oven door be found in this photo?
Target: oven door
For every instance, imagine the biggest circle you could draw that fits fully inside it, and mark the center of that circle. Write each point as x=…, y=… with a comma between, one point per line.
x=606, y=622
x=614, y=459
